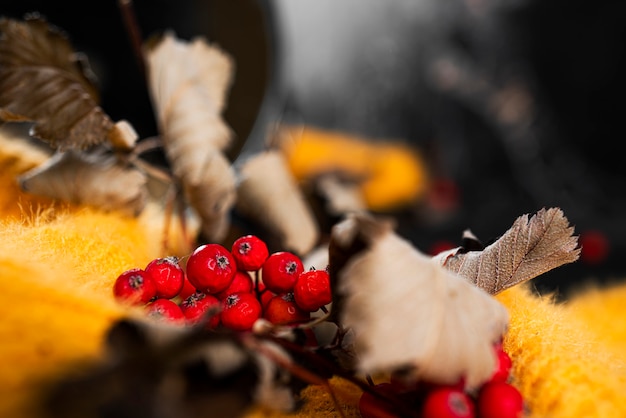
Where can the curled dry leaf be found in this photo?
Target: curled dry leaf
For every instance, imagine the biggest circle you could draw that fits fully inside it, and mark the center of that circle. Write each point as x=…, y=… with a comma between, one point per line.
x=268, y=193
x=160, y=370
x=44, y=81
x=93, y=179
x=408, y=313
x=529, y=248
x=188, y=82
x=214, y=195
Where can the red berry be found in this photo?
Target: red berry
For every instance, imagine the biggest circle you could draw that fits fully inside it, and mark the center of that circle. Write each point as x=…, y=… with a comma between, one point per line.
x=282, y=310
x=196, y=306
x=594, y=247
x=211, y=268
x=250, y=252
x=242, y=283
x=187, y=289
x=134, y=286
x=240, y=311
x=165, y=309
x=503, y=365
x=312, y=290
x=441, y=246
x=500, y=400
x=281, y=270
x=266, y=295
x=448, y=403
x=443, y=195
x=168, y=276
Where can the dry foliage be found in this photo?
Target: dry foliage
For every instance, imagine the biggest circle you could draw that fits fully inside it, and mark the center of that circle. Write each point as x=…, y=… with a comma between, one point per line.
x=532, y=246
x=188, y=82
x=44, y=81
x=408, y=313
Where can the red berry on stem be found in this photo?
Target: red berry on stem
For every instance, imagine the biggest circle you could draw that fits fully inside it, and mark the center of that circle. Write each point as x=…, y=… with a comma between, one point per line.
x=165, y=309
x=211, y=268
x=281, y=270
x=283, y=310
x=134, y=286
x=500, y=400
x=168, y=276
x=187, y=289
x=242, y=283
x=250, y=252
x=448, y=403
x=240, y=311
x=312, y=290
x=503, y=365
x=265, y=295
x=196, y=306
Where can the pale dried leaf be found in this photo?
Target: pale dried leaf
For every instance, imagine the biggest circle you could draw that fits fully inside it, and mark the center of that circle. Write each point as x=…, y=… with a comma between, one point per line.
x=213, y=196
x=123, y=136
x=341, y=197
x=188, y=84
x=408, y=313
x=44, y=81
x=529, y=248
x=269, y=194
x=95, y=180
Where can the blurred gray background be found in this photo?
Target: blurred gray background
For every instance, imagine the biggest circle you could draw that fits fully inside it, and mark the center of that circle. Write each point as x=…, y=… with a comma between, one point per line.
x=517, y=102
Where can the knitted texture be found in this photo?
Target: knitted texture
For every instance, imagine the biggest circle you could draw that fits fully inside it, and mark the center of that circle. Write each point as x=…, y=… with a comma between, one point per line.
x=562, y=367
x=58, y=264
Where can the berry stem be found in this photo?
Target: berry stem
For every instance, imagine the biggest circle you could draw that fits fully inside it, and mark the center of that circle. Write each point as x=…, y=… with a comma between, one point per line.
x=257, y=291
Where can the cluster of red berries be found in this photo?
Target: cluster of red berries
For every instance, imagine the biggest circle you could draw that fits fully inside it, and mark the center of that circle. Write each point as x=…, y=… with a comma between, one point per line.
x=497, y=398
x=227, y=288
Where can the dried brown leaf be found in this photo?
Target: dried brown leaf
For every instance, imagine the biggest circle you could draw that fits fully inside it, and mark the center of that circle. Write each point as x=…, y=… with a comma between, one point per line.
x=97, y=180
x=188, y=82
x=529, y=248
x=43, y=80
x=269, y=194
x=213, y=196
x=408, y=313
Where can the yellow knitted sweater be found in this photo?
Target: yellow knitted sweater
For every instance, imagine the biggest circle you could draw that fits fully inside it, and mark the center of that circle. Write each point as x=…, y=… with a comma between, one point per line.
x=57, y=265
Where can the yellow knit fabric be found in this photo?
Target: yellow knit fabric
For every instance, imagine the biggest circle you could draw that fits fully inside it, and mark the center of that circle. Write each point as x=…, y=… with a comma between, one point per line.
x=562, y=367
x=393, y=175
x=57, y=266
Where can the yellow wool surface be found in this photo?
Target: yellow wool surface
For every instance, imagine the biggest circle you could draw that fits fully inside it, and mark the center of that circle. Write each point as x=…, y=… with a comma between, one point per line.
x=602, y=309
x=57, y=267
x=562, y=368
x=392, y=174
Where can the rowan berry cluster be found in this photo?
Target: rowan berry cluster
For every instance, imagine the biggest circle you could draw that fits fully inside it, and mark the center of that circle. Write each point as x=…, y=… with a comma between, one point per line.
x=497, y=398
x=230, y=288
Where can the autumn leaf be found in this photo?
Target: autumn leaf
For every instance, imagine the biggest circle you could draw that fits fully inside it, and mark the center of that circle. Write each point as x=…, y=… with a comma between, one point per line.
x=188, y=82
x=97, y=180
x=269, y=194
x=408, y=313
x=529, y=248
x=43, y=80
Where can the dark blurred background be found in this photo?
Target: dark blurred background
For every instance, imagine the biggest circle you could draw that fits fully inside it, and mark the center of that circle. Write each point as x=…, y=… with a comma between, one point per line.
x=514, y=104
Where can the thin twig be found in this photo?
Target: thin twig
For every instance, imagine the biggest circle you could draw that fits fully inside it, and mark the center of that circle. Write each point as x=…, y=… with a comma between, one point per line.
x=134, y=33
